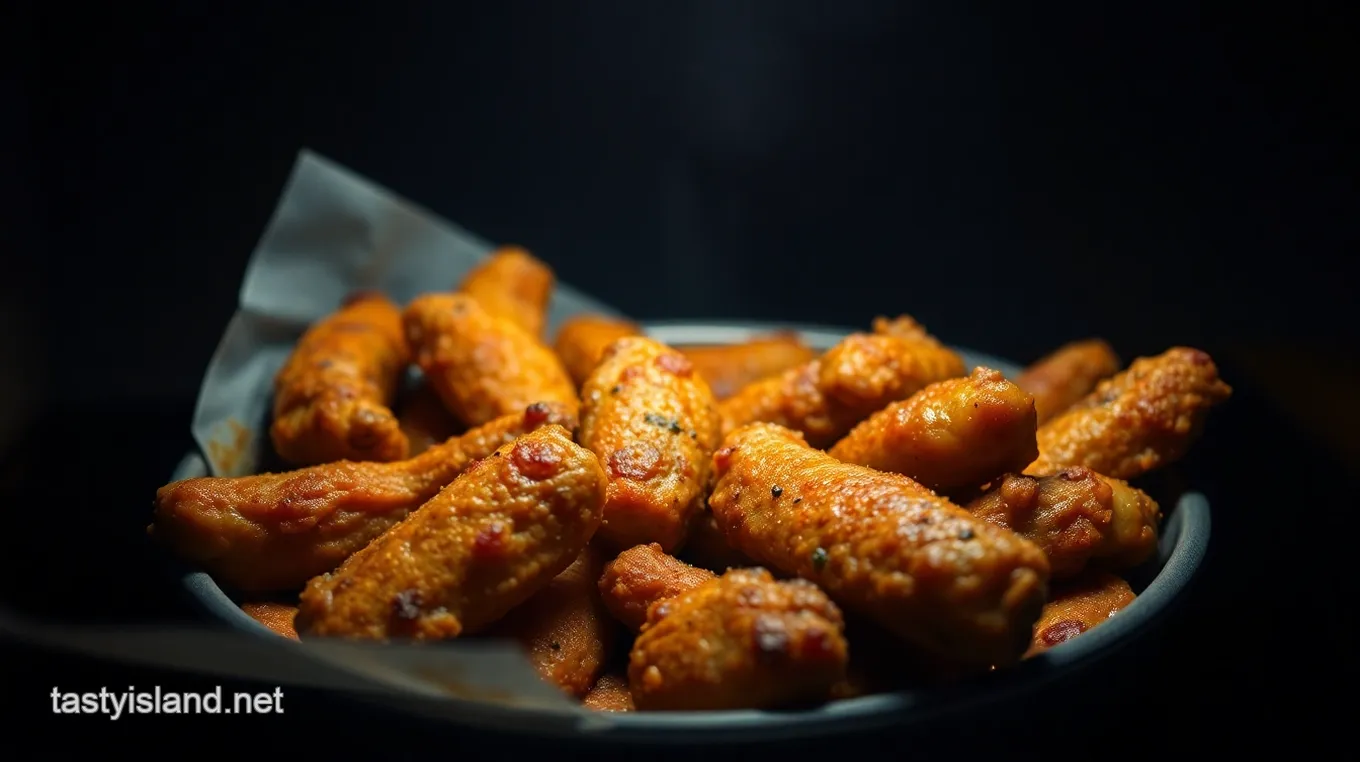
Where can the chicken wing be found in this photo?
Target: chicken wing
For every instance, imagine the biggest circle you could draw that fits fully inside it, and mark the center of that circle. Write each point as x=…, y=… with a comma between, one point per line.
x=514, y=285
x=1078, y=606
x=276, y=616
x=1061, y=379
x=276, y=531
x=729, y=367
x=1141, y=419
x=332, y=397
x=826, y=398
x=951, y=435
x=481, y=365
x=424, y=419
x=610, y=694
x=654, y=426
x=880, y=544
x=903, y=327
x=582, y=340
x=740, y=641
x=641, y=576
x=485, y=544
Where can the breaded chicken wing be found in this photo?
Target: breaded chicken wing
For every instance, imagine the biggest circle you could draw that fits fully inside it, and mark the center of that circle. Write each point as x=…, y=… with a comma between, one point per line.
x=276, y=616
x=729, y=367
x=903, y=327
x=276, y=531
x=424, y=419
x=951, y=435
x=582, y=340
x=610, y=694
x=564, y=628
x=482, y=366
x=1142, y=419
x=880, y=544
x=654, y=426
x=1077, y=516
x=333, y=396
x=514, y=285
x=485, y=544
x=707, y=548
x=826, y=398
x=741, y=641
x=1061, y=379
x=1077, y=606
x=641, y=576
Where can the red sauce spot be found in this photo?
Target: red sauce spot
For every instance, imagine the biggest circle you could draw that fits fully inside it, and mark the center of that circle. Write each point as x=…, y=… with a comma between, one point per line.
x=639, y=462
x=630, y=373
x=722, y=459
x=1061, y=632
x=490, y=543
x=816, y=645
x=537, y=459
x=536, y=415
x=676, y=364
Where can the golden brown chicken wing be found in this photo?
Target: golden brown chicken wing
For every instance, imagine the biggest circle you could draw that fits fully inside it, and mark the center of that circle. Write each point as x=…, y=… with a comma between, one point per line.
x=610, y=694
x=1077, y=516
x=951, y=435
x=564, y=628
x=276, y=531
x=641, y=576
x=485, y=544
x=707, y=548
x=741, y=641
x=1141, y=419
x=826, y=398
x=514, y=285
x=276, y=616
x=425, y=420
x=727, y=368
x=1061, y=379
x=903, y=327
x=880, y=544
x=332, y=397
x=1077, y=606
x=582, y=340
x=482, y=366
x=654, y=426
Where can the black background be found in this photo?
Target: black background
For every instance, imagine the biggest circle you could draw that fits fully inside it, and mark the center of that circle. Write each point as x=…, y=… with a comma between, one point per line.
x=1014, y=177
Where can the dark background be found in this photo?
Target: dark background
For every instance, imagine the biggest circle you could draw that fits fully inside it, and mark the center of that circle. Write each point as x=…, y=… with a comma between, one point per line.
x=1013, y=177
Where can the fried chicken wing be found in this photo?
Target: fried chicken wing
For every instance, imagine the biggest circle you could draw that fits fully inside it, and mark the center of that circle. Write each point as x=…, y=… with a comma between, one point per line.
x=1142, y=419
x=481, y=365
x=880, y=544
x=276, y=616
x=742, y=640
x=707, y=547
x=1077, y=516
x=654, y=426
x=1077, y=606
x=951, y=435
x=826, y=398
x=1061, y=379
x=564, y=628
x=332, y=397
x=641, y=576
x=485, y=544
x=582, y=340
x=729, y=367
x=610, y=694
x=514, y=285
x=276, y=531
x=903, y=327
x=424, y=419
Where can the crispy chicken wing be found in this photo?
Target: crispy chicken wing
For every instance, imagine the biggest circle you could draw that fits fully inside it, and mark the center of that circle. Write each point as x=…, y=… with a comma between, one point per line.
x=1077, y=606
x=1141, y=419
x=276, y=616
x=610, y=694
x=332, y=397
x=424, y=419
x=729, y=367
x=1061, y=379
x=742, y=640
x=880, y=544
x=276, y=531
x=707, y=548
x=486, y=543
x=951, y=435
x=654, y=426
x=903, y=327
x=514, y=285
x=582, y=340
x=481, y=365
x=1077, y=516
x=641, y=576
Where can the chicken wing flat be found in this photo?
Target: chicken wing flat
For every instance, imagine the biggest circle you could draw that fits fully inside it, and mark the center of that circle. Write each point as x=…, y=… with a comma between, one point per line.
x=564, y=628
x=727, y=368
x=826, y=398
x=654, y=426
x=1077, y=516
x=610, y=694
x=903, y=327
x=1142, y=419
x=332, y=397
x=880, y=544
x=1077, y=606
x=582, y=340
x=641, y=576
x=707, y=546
x=514, y=285
x=1061, y=379
x=740, y=641
x=276, y=531
x=481, y=365
x=951, y=435
x=276, y=616
x=425, y=420
x=485, y=544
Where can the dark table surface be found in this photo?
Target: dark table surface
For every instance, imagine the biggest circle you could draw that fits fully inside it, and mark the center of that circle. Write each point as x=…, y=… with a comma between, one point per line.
x=1249, y=656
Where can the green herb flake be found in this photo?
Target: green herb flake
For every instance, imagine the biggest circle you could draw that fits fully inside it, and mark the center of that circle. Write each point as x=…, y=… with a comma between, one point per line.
x=819, y=558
